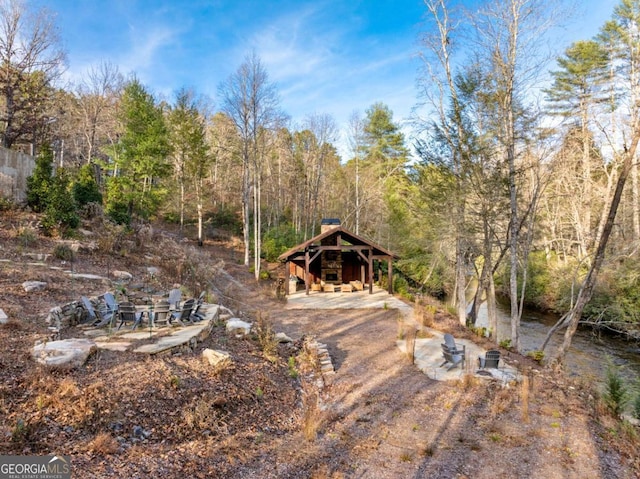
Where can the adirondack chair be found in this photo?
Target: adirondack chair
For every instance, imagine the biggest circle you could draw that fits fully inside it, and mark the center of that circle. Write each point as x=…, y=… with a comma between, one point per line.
x=110, y=301
x=452, y=353
x=162, y=313
x=453, y=356
x=490, y=360
x=127, y=314
x=183, y=315
x=175, y=296
x=97, y=318
x=196, y=313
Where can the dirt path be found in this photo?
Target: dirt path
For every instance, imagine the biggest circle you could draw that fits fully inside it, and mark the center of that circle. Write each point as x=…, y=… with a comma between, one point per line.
x=385, y=419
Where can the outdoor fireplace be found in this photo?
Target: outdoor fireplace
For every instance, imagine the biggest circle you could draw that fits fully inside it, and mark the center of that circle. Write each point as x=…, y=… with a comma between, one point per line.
x=330, y=276
x=331, y=267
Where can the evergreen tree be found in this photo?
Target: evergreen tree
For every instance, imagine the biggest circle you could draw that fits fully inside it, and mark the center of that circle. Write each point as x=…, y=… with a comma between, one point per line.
x=40, y=182
x=382, y=171
x=139, y=159
x=61, y=212
x=190, y=151
x=85, y=187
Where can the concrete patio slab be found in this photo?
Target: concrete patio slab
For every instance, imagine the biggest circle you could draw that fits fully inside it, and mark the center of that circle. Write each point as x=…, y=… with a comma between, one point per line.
x=380, y=299
x=428, y=358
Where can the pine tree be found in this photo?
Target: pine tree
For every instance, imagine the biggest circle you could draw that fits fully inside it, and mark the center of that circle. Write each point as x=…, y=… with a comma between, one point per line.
x=139, y=158
x=40, y=182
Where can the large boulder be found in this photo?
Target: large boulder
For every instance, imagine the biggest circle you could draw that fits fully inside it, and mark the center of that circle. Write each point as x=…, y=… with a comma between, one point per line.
x=283, y=338
x=64, y=354
x=238, y=327
x=31, y=286
x=217, y=359
x=122, y=275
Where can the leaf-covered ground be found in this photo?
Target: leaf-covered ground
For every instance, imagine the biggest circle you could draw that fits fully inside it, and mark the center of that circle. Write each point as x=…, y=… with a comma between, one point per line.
x=128, y=415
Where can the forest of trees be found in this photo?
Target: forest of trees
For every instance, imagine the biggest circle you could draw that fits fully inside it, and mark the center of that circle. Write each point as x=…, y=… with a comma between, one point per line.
x=532, y=193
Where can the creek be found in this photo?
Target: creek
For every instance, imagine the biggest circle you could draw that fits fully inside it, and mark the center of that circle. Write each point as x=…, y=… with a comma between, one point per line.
x=589, y=350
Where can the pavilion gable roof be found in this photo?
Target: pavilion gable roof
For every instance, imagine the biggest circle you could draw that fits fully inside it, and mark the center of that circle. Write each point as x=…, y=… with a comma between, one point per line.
x=345, y=235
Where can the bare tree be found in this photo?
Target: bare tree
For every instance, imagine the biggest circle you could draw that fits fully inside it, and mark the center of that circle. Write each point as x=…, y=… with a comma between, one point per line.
x=29, y=49
x=324, y=130
x=356, y=144
x=251, y=101
x=440, y=92
x=225, y=174
x=622, y=33
x=96, y=100
x=508, y=37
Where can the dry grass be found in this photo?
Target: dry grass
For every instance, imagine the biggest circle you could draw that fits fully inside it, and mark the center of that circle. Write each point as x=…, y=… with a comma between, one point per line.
x=103, y=443
x=425, y=311
x=410, y=343
x=312, y=418
x=468, y=382
x=266, y=337
x=524, y=398
x=324, y=472
x=201, y=415
x=502, y=402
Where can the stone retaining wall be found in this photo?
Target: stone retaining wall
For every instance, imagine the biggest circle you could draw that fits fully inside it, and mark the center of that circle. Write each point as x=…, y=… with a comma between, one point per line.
x=15, y=168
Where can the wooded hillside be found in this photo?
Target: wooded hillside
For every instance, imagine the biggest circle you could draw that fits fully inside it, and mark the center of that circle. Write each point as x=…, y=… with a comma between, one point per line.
x=527, y=184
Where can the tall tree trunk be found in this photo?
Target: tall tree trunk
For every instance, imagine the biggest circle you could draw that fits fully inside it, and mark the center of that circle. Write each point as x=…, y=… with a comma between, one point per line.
x=514, y=233
x=181, y=204
x=586, y=186
x=492, y=312
x=246, y=198
x=257, y=221
x=586, y=291
x=461, y=297
x=635, y=203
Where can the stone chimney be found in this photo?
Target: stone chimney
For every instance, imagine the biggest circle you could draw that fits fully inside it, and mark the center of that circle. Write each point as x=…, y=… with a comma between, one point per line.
x=329, y=223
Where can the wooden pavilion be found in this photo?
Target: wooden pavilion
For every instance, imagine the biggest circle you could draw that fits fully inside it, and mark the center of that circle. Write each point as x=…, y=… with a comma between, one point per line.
x=336, y=259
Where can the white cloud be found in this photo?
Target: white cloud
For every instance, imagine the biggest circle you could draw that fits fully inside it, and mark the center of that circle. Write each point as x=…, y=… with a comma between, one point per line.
x=145, y=47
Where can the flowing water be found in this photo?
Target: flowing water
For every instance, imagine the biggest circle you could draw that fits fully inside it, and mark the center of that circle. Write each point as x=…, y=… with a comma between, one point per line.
x=589, y=351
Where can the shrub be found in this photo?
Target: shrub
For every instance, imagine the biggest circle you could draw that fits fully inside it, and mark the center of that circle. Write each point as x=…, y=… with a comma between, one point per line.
x=6, y=204
x=536, y=355
x=118, y=212
x=63, y=252
x=616, y=392
x=293, y=372
x=27, y=236
x=60, y=212
x=104, y=443
x=85, y=187
x=266, y=337
x=636, y=406
x=91, y=210
x=39, y=183
x=225, y=218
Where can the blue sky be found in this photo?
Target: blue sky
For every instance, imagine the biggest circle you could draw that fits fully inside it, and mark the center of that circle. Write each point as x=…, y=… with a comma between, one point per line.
x=326, y=56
